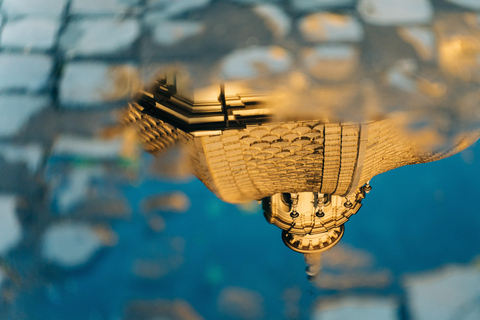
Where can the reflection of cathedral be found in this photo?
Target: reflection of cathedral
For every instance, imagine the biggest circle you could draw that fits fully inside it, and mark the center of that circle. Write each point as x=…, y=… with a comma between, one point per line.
x=312, y=175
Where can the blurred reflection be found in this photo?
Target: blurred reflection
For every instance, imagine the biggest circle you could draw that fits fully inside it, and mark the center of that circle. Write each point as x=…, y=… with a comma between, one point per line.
x=311, y=173
x=318, y=97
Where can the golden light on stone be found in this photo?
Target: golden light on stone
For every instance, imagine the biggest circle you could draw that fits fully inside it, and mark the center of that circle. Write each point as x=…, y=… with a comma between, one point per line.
x=311, y=174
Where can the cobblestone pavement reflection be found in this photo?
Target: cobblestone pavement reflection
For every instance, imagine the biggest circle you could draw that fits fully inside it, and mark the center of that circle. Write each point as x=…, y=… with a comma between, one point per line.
x=91, y=228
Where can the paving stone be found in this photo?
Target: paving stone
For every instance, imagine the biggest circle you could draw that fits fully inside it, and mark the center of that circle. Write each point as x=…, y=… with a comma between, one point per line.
x=311, y=5
x=76, y=187
x=16, y=110
x=87, y=84
x=30, y=32
x=451, y=293
x=324, y=26
x=10, y=228
x=331, y=62
x=27, y=72
x=401, y=75
x=169, y=33
x=470, y=4
x=70, y=244
x=31, y=155
x=276, y=19
x=174, y=8
x=170, y=202
x=51, y=8
x=422, y=40
x=393, y=12
x=240, y=303
x=358, y=308
x=248, y=63
x=98, y=149
x=99, y=36
x=101, y=7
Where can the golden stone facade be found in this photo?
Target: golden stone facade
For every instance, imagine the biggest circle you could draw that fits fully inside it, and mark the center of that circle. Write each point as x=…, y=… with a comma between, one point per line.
x=302, y=156
x=323, y=167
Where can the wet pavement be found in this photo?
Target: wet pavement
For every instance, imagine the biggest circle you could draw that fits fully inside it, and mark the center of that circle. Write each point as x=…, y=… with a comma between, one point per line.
x=93, y=228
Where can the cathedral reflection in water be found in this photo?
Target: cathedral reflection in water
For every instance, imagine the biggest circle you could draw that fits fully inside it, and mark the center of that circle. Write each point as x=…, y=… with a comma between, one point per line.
x=311, y=175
